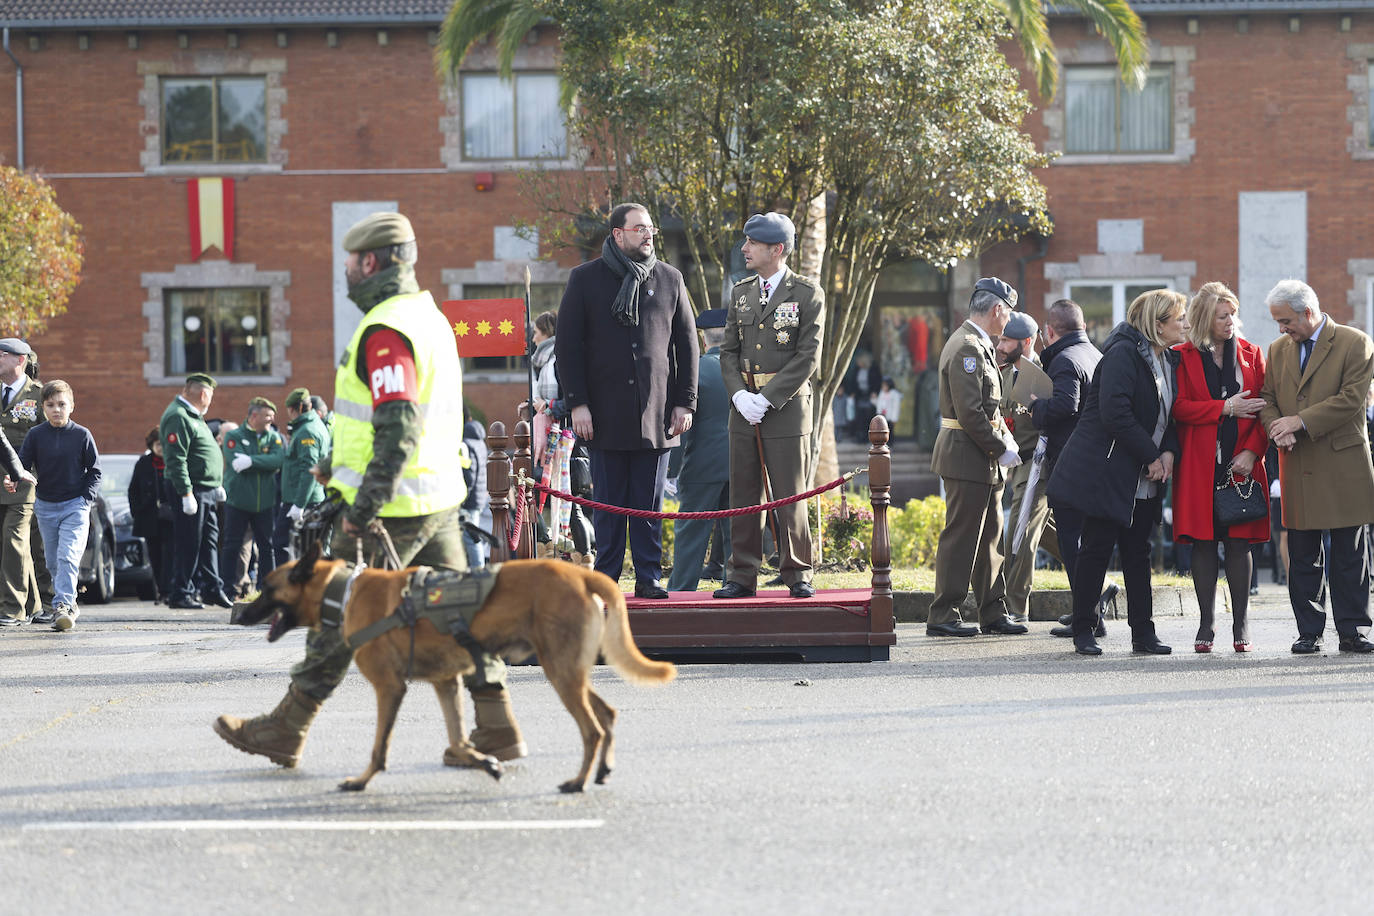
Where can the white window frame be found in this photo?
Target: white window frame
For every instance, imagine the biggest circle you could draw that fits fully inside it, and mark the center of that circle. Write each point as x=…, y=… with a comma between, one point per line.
x=1156, y=70
x=1119, y=303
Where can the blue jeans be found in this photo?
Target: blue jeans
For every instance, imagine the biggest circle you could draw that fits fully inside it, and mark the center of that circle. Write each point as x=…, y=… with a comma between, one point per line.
x=64, y=526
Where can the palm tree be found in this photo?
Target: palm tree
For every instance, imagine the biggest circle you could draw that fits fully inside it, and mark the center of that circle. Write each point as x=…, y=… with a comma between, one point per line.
x=469, y=21
x=1114, y=19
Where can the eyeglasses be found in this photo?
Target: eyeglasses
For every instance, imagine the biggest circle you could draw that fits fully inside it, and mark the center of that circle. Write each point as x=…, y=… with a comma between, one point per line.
x=641, y=230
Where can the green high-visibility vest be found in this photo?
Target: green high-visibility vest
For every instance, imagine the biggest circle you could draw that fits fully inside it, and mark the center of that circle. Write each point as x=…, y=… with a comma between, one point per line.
x=431, y=480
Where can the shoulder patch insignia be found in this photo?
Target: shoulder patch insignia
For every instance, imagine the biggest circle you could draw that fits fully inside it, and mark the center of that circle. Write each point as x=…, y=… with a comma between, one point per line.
x=231, y=444
x=171, y=438
x=970, y=364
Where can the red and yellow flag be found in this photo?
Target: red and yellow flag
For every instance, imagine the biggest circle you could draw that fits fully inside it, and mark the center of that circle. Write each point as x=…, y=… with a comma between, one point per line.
x=487, y=327
x=210, y=208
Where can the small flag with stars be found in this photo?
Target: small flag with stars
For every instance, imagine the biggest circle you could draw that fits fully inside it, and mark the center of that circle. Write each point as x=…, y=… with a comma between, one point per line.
x=487, y=327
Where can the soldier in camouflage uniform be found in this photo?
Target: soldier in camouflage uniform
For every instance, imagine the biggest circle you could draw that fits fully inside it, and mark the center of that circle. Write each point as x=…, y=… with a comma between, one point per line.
x=398, y=424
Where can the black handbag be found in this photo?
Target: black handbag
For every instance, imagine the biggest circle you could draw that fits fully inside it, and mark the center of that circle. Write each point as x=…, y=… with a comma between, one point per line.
x=1238, y=503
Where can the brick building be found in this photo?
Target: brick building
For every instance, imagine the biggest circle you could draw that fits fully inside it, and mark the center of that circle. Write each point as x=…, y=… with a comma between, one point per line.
x=1246, y=159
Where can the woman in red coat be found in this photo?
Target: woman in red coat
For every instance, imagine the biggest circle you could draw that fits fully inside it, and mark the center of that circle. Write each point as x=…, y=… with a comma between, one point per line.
x=1221, y=439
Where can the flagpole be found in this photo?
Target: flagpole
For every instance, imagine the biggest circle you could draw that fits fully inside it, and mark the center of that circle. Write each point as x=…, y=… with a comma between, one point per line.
x=529, y=348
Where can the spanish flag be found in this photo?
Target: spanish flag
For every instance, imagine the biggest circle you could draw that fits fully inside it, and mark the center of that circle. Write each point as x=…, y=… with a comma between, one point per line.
x=487, y=327
x=210, y=207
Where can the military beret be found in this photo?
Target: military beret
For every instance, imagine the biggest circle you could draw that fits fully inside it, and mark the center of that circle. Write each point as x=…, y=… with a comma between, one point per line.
x=14, y=346
x=999, y=288
x=379, y=230
x=200, y=378
x=770, y=228
x=317, y=402
x=1020, y=327
x=711, y=318
x=294, y=399
x=263, y=402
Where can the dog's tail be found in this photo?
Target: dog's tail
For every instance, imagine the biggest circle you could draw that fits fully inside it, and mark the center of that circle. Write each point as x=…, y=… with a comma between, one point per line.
x=617, y=646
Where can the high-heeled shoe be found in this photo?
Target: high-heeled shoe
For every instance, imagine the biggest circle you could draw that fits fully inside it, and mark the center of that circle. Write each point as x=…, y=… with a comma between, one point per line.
x=1242, y=647
x=1203, y=646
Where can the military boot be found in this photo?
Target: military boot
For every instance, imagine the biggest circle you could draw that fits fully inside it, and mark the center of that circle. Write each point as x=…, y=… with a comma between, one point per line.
x=496, y=733
x=279, y=735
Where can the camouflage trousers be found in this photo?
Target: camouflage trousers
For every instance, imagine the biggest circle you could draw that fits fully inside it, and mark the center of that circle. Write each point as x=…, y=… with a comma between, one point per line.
x=422, y=540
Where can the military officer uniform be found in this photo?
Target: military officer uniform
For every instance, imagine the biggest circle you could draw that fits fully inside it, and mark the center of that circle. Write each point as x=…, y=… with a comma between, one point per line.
x=21, y=554
x=1040, y=530
x=772, y=347
x=966, y=455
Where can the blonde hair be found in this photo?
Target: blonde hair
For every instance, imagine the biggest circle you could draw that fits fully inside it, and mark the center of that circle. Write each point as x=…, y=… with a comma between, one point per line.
x=1150, y=308
x=1202, y=311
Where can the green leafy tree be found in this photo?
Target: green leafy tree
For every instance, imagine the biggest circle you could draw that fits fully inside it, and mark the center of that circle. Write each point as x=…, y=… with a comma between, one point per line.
x=40, y=253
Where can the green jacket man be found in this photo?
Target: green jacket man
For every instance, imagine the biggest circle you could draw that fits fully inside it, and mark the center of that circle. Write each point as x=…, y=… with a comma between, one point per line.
x=397, y=427
x=193, y=474
x=253, y=488
x=309, y=442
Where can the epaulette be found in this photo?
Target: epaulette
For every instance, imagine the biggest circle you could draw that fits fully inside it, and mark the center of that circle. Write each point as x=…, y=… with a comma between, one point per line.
x=752, y=278
x=807, y=281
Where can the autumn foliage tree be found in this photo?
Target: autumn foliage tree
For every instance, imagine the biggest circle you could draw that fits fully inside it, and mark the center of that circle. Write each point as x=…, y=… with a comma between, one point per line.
x=40, y=253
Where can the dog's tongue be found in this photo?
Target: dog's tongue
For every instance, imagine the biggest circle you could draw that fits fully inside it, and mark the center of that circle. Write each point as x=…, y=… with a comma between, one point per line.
x=272, y=632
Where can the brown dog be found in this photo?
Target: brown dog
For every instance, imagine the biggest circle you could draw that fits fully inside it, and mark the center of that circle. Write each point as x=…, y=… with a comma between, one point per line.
x=566, y=615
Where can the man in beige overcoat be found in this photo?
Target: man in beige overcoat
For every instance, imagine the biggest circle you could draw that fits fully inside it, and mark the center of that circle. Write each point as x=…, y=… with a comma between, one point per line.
x=1314, y=392
x=971, y=454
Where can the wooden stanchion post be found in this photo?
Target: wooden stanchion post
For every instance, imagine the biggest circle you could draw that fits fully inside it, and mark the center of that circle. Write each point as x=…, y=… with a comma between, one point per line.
x=880, y=484
x=523, y=465
x=498, y=489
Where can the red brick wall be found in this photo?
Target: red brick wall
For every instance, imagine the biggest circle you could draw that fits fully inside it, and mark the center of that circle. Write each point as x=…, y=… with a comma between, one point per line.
x=358, y=106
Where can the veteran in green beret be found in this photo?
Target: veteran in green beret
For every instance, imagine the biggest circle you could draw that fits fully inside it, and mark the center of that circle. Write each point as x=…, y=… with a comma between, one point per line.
x=308, y=444
x=253, y=451
x=398, y=422
x=193, y=476
x=771, y=351
x=971, y=454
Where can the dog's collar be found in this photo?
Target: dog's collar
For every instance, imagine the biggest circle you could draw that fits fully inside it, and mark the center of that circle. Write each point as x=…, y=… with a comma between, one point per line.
x=336, y=595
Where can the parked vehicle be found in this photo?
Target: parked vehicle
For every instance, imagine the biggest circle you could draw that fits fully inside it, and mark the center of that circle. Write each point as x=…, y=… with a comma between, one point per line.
x=131, y=565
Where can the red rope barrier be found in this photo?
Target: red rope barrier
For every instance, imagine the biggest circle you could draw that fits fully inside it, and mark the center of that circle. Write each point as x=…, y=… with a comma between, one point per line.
x=519, y=519
x=718, y=513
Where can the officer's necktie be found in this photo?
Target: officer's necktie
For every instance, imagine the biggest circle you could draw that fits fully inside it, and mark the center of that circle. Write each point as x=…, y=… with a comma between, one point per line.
x=767, y=291
x=5, y=401
x=1306, y=352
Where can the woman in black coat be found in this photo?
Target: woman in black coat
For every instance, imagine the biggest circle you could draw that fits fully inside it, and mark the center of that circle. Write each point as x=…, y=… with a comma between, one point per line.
x=1118, y=460
x=151, y=513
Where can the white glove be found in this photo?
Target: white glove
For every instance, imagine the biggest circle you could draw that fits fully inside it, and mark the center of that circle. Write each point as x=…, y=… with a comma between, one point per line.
x=670, y=487
x=742, y=401
x=1009, y=459
x=241, y=462
x=1009, y=443
x=294, y=513
x=218, y=496
x=751, y=406
x=188, y=504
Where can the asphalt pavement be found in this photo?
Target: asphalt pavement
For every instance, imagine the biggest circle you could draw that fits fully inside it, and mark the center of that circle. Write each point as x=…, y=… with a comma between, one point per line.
x=992, y=774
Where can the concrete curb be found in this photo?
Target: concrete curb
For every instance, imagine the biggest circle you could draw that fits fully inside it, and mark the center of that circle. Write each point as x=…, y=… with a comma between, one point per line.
x=914, y=607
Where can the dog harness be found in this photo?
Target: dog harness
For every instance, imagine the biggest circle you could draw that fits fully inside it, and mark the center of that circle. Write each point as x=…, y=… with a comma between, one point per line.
x=447, y=599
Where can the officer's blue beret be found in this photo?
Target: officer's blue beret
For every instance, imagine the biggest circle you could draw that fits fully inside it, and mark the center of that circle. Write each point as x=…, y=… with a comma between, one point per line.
x=770, y=228
x=711, y=318
x=999, y=288
x=1020, y=327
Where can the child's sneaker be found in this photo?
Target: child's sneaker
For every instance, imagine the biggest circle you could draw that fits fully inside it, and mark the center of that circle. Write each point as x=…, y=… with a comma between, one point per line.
x=43, y=618
x=65, y=619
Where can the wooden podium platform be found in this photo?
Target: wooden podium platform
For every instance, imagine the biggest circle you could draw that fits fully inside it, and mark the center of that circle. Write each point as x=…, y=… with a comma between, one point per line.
x=834, y=626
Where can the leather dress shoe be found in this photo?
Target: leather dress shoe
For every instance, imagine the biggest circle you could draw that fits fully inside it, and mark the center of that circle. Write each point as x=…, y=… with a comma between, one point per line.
x=650, y=590
x=1307, y=645
x=953, y=628
x=1065, y=630
x=1004, y=626
x=1087, y=648
x=185, y=604
x=733, y=590
x=1151, y=648
x=1065, y=619
x=802, y=590
x=1356, y=643
x=217, y=599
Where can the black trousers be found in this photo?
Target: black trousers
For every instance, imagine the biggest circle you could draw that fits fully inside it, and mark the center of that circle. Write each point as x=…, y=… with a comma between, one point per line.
x=1347, y=572
x=1068, y=526
x=236, y=525
x=195, y=549
x=1100, y=535
x=632, y=479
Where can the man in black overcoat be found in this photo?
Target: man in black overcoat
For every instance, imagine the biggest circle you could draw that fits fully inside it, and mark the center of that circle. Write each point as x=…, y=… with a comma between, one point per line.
x=627, y=361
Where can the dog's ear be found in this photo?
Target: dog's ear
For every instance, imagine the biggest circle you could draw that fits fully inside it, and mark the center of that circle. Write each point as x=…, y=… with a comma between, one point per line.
x=304, y=569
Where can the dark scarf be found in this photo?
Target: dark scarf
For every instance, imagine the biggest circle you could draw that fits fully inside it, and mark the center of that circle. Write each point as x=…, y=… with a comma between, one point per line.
x=393, y=281
x=632, y=274
x=1221, y=383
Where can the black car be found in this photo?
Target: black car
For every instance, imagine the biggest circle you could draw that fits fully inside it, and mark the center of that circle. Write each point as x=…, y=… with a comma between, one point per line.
x=95, y=578
x=130, y=567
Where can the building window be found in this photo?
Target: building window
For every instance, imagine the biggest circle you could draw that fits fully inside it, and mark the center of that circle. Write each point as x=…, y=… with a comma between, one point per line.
x=1104, y=302
x=1103, y=116
x=214, y=119
x=544, y=297
x=512, y=119
x=219, y=331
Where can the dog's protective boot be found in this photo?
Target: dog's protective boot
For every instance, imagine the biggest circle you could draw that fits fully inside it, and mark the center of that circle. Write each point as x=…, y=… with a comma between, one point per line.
x=279, y=735
x=496, y=733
